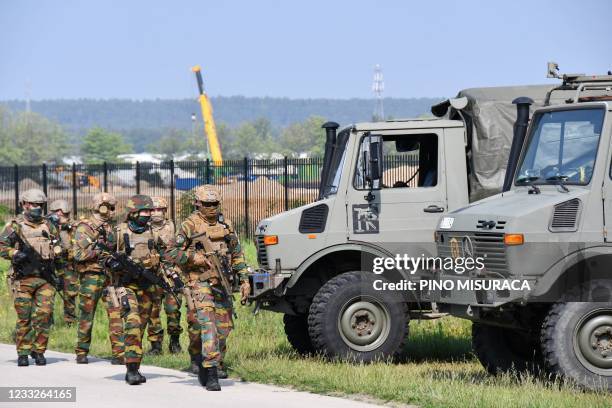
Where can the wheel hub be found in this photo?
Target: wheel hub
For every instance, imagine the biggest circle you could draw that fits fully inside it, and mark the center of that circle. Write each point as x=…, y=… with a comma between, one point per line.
x=364, y=324
x=594, y=341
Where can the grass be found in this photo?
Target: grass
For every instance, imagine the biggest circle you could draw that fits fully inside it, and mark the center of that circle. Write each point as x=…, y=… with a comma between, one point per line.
x=439, y=369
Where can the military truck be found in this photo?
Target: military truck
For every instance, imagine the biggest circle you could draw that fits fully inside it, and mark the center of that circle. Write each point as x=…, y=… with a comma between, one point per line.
x=383, y=187
x=549, y=228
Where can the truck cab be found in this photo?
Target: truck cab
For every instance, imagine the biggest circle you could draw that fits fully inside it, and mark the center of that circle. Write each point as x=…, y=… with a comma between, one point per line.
x=383, y=188
x=549, y=230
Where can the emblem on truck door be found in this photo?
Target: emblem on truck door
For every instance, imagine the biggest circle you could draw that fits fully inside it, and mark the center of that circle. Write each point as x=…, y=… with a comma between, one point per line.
x=365, y=219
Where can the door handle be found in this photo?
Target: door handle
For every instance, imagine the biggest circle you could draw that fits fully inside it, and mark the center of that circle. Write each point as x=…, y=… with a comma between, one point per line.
x=433, y=209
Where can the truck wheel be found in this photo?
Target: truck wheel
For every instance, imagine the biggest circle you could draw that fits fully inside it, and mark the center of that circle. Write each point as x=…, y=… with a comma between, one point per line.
x=296, y=329
x=577, y=343
x=502, y=350
x=348, y=319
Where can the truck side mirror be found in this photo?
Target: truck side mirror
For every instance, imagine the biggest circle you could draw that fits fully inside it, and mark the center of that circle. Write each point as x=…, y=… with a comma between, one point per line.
x=373, y=159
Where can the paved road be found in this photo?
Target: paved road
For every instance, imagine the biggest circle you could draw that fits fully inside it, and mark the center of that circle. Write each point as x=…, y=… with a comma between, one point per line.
x=100, y=384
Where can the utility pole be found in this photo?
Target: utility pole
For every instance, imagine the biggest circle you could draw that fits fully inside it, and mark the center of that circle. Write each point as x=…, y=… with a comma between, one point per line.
x=378, y=86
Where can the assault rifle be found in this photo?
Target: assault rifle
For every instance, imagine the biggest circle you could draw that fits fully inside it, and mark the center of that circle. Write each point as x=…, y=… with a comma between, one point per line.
x=216, y=259
x=132, y=271
x=36, y=261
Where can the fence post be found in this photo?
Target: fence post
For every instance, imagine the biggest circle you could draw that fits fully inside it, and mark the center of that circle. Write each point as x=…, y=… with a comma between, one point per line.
x=16, y=189
x=137, y=177
x=246, y=197
x=74, y=190
x=44, y=183
x=207, y=171
x=105, y=177
x=172, y=204
x=286, y=183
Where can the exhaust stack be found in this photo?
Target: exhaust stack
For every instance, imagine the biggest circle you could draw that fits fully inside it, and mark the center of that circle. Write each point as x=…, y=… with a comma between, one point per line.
x=330, y=144
x=520, y=131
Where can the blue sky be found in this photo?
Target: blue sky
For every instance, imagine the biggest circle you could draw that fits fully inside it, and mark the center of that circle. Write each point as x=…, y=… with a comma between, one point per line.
x=143, y=49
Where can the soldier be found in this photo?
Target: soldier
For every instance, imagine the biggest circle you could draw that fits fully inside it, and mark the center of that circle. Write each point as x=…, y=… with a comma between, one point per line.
x=28, y=241
x=93, y=279
x=59, y=215
x=136, y=239
x=164, y=229
x=203, y=234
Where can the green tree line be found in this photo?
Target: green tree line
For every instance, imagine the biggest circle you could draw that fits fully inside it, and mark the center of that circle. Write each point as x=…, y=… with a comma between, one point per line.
x=125, y=115
x=30, y=138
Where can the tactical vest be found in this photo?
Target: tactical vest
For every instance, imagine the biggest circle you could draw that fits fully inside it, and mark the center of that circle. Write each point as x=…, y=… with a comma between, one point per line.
x=214, y=235
x=92, y=265
x=139, y=246
x=165, y=232
x=66, y=238
x=34, y=235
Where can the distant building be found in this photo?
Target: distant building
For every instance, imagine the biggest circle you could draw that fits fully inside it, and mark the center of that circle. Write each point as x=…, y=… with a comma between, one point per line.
x=141, y=157
x=72, y=159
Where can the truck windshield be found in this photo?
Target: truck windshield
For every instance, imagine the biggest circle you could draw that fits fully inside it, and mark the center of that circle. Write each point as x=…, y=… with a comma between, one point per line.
x=336, y=164
x=562, y=147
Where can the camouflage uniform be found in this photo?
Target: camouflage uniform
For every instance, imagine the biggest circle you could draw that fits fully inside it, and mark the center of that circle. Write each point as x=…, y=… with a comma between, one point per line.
x=93, y=279
x=66, y=268
x=143, y=244
x=164, y=229
x=213, y=305
x=33, y=295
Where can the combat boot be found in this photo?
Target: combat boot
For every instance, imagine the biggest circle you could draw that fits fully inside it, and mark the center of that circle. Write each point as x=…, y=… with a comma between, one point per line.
x=132, y=376
x=82, y=359
x=22, y=361
x=141, y=377
x=39, y=359
x=221, y=372
x=117, y=360
x=156, y=348
x=212, y=379
x=175, y=346
x=196, y=360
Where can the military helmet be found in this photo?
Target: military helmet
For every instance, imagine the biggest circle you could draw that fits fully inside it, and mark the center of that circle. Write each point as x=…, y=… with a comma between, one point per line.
x=207, y=194
x=102, y=198
x=33, y=195
x=139, y=202
x=159, y=202
x=60, y=205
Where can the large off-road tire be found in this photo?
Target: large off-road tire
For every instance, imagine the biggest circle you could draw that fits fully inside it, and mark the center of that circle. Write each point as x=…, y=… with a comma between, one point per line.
x=296, y=329
x=577, y=343
x=502, y=350
x=350, y=320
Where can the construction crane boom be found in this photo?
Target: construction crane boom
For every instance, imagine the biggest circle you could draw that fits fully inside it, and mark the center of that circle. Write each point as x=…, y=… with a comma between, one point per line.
x=209, y=121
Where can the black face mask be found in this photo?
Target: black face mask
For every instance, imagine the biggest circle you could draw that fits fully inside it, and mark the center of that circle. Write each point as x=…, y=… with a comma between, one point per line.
x=34, y=214
x=54, y=218
x=138, y=223
x=142, y=220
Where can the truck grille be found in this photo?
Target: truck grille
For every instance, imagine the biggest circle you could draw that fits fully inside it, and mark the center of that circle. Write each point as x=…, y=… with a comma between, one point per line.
x=488, y=245
x=262, y=253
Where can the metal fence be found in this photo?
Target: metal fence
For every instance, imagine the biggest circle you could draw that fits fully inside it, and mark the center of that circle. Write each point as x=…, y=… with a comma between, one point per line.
x=251, y=189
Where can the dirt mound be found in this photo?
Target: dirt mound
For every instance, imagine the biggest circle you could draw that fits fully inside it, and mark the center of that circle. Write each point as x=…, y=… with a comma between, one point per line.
x=28, y=183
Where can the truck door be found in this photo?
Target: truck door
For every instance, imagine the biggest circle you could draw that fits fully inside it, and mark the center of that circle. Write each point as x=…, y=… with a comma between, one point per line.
x=412, y=195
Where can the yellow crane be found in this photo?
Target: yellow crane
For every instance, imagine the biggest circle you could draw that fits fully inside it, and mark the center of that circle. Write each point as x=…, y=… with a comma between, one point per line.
x=209, y=121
